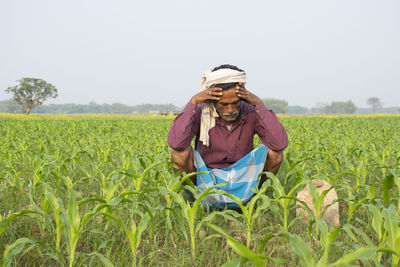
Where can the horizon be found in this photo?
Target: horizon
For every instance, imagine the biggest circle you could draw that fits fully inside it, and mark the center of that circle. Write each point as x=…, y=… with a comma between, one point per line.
x=45, y=103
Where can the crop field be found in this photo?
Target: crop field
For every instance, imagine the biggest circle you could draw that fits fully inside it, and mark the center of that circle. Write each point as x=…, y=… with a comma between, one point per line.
x=100, y=191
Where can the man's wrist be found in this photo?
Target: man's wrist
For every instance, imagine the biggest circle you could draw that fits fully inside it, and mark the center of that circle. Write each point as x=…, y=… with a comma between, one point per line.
x=255, y=101
x=193, y=101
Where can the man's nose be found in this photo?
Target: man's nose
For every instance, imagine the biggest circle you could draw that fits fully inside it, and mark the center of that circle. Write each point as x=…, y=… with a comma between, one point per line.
x=229, y=108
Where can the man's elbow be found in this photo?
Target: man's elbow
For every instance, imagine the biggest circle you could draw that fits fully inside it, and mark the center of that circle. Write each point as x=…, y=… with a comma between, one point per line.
x=281, y=145
x=172, y=143
x=284, y=142
x=175, y=144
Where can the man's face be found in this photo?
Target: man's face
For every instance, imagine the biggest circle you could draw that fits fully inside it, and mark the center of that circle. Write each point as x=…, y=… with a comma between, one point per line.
x=228, y=106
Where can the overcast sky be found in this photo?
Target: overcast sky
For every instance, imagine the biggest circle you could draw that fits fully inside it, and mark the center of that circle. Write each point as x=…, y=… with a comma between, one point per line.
x=136, y=52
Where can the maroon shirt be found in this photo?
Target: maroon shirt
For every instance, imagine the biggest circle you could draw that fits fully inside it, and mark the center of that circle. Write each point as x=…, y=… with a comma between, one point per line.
x=228, y=146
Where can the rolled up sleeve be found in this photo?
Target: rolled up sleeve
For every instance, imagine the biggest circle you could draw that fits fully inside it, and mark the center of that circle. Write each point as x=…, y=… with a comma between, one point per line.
x=184, y=127
x=270, y=129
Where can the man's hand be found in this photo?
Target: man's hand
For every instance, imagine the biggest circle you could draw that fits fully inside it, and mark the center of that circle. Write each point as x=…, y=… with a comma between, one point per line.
x=212, y=93
x=246, y=96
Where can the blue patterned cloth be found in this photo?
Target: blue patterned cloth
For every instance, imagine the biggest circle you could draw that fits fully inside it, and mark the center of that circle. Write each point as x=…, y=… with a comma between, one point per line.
x=242, y=176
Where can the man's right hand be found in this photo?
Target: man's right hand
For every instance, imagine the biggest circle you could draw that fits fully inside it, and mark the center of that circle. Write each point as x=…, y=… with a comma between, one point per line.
x=212, y=93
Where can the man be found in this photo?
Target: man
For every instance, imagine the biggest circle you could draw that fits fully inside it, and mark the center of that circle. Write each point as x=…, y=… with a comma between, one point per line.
x=224, y=117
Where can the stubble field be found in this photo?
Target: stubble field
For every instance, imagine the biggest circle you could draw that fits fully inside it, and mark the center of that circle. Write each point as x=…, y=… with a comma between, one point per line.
x=100, y=190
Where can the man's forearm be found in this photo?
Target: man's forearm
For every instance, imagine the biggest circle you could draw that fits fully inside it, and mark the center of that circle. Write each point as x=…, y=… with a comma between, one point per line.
x=182, y=132
x=271, y=131
x=272, y=164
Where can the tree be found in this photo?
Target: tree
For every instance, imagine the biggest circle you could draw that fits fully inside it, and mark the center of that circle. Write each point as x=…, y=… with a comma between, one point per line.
x=10, y=106
x=375, y=103
x=336, y=107
x=277, y=105
x=297, y=110
x=32, y=92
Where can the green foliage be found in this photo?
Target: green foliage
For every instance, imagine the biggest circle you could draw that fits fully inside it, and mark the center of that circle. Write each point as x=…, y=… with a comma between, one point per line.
x=100, y=190
x=32, y=92
x=277, y=105
x=337, y=107
x=10, y=106
x=375, y=103
x=297, y=110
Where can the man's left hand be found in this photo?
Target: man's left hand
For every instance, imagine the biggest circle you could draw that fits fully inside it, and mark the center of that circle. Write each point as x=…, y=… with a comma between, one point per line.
x=245, y=95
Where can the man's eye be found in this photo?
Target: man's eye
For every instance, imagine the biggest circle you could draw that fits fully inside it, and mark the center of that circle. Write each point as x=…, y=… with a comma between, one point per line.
x=236, y=103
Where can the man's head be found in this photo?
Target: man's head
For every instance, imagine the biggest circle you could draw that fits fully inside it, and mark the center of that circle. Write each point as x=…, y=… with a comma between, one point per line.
x=226, y=86
x=228, y=107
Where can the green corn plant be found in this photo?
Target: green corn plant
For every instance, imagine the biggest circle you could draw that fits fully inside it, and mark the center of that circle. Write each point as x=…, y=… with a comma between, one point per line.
x=102, y=258
x=359, y=168
x=353, y=199
x=250, y=214
x=13, y=180
x=4, y=222
x=391, y=218
x=326, y=239
x=377, y=225
x=175, y=185
x=23, y=245
x=360, y=239
x=387, y=184
x=134, y=233
x=391, y=225
x=284, y=199
x=42, y=207
x=383, y=247
x=396, y=178
x=74, y=224
x=42, y=168
x=365, y=253
x=318, y=200
x=57, y=207
x=257, y=259
x=385, y=224
x=19, y=248
x=305, y=253
x=137, y=179
x=189, y=211
x=110, y=185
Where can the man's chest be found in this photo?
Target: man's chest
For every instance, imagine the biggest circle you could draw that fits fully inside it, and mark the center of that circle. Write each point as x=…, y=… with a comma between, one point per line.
x=238, y=138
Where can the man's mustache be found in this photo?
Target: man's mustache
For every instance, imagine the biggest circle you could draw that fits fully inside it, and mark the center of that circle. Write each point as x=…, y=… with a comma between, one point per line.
x=234, y=113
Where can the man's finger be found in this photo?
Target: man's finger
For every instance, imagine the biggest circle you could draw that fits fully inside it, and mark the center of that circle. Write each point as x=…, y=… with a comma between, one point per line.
x=240, y=91
x=214, y=92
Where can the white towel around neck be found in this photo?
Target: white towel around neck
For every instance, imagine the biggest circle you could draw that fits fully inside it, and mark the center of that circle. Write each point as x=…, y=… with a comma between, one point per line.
x=209, y=113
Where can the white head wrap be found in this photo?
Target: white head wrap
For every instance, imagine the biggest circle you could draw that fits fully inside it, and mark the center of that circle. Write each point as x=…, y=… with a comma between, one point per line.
x=209, y=113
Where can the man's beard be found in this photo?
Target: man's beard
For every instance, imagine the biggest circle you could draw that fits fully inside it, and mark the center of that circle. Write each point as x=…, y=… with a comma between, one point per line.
x=230, y=117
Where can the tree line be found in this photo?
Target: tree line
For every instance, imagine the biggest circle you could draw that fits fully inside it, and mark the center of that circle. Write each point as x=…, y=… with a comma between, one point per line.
x=30, y=94
x=10, y=106
x=278, y=105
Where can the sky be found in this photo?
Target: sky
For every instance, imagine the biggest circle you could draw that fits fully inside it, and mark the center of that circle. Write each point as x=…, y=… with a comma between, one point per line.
x=136, y=52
